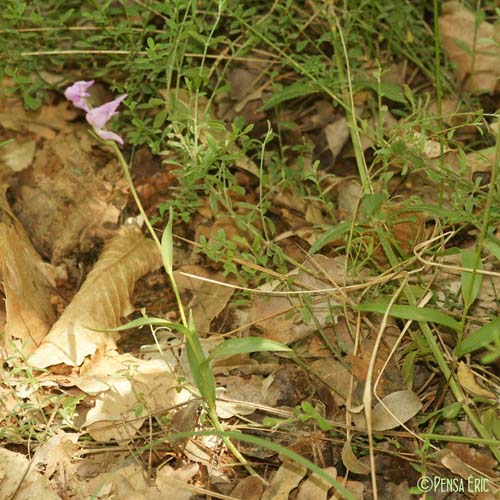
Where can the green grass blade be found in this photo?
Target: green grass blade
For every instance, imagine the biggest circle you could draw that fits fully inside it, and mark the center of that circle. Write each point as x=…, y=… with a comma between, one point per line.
x=136, y=323
x=331, y=234
x=480, y=338
x=297, y=89
x=471, y=282
x=412, y=313
x=200, y=369
x=246, y=345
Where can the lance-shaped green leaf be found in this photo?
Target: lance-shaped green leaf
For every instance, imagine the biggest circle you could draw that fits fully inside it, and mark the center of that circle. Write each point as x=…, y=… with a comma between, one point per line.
x=412, y=313
x=136, y=323
x=246, y=345
x=200, y=369
x=480, y=338
x=471, y=282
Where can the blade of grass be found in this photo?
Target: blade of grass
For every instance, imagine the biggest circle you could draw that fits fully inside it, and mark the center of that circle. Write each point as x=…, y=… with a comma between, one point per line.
x=246, y=345
x=480, y=338
x=412, y=312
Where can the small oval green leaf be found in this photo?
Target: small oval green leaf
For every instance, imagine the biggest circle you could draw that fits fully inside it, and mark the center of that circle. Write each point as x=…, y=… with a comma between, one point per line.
x=452, y=410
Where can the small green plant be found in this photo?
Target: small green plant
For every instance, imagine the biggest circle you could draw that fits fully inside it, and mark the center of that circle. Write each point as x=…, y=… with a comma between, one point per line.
x=199, y=363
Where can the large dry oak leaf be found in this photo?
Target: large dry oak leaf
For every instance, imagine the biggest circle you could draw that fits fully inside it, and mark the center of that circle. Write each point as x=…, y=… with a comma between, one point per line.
x=103, y=299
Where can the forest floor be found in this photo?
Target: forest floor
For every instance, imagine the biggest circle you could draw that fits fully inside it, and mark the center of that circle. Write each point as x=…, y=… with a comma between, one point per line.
x=277, y=277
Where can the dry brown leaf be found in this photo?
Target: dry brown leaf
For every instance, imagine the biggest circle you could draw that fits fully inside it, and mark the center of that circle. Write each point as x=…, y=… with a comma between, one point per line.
x=56, y=452
x=103, y=299
x=243, y=86
x=457, y=26
x=348, y=197
x=45, y=122
x=277, y=317
x=356, y=488
x=243, y=363
x=456, y=465
x=12, y=468
x=131, y=482
x=467, y=380
x=203, y=453
x=140, y=390
x=246, y=390
x=391, y=379
x=480, y=162
x=288, y=386
x=208, y=299
x=336, y=135
x=474, y=458
x=406, y=227
x=249, y=488
x=486, y=495
x=336, y=375
x=172, y=483
x=70, y=200
x=18, y=155
x=275, y=326
x=3, y=321
x=315, y=487
x=395, y=409
x=27, y=294
x=337, y=335
x=390, y=491
x=351, y=462
x=287, y=477
x=99, y=371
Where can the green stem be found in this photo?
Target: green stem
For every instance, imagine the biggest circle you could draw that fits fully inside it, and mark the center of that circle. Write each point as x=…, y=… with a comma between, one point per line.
x=128, y=177
x=461, y=439
x=352, y=122
x=212, y=415
x=211, y=405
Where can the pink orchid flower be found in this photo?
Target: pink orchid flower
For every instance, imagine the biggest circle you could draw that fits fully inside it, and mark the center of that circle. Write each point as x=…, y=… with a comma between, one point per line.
x=98, y=117
x=77, y=93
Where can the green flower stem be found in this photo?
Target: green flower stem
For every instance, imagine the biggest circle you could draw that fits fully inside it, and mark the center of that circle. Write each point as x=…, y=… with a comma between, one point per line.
x=128, y=177
x=211, y=405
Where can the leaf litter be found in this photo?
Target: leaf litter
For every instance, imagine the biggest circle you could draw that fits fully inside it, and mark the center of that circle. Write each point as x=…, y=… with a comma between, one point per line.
x=123, y=398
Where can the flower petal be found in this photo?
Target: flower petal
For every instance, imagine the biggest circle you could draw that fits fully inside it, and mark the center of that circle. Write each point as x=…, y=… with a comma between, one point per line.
x=107, y=135
x=98, y=117
x=77, y=92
